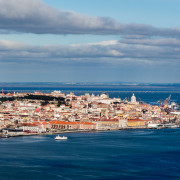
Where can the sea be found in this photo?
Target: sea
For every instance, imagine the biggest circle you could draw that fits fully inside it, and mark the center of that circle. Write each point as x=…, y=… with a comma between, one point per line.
x=111, y=155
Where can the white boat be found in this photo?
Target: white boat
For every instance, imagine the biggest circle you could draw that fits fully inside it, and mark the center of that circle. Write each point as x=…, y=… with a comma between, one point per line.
x=155, y=126
x=170, y=126
x=60, y=137
x=5, y=136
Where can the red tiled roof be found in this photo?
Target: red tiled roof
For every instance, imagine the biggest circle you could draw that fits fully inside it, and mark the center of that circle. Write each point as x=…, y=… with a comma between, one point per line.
x=29, y=124
x=70, y=123
x=136, y=120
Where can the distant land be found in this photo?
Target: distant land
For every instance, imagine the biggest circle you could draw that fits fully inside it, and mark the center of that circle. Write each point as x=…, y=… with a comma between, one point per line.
x=60, y=84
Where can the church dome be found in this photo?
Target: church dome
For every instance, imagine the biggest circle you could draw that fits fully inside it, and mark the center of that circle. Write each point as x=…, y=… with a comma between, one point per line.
x=133, y=99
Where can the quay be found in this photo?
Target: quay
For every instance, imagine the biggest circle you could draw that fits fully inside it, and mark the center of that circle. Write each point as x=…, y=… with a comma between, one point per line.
x=77, y=131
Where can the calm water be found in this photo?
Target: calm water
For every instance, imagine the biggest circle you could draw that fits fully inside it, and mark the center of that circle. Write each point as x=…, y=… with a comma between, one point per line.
x=126, y=154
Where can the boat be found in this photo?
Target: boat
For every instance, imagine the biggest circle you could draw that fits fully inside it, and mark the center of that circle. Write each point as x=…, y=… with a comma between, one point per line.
x=155, y=126
x=170, y=126
x=5, y=136
x=60, y=137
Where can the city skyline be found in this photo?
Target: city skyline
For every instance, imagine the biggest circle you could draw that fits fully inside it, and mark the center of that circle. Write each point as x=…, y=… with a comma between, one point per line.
x=89, y=41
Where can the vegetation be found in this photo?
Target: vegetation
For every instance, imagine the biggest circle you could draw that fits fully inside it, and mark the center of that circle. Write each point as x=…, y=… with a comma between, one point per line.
x=44, y=99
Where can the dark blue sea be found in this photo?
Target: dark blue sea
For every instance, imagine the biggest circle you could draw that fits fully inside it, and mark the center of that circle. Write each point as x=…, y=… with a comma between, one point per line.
x=112, y=155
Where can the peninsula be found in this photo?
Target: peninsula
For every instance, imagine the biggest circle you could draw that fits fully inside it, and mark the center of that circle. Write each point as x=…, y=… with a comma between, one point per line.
x=42, y=113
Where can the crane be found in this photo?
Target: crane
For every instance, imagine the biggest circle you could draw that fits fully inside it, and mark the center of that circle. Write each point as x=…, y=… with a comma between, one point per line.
x=167, y=100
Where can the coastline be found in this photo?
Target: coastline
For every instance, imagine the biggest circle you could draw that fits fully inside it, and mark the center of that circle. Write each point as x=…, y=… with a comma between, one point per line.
x=68, y=131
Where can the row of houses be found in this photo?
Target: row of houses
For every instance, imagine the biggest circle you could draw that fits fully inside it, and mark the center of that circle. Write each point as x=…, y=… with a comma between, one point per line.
x=104, y=124
x=84, y=112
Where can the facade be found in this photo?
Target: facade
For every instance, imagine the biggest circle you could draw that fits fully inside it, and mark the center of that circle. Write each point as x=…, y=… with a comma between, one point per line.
x=137, y=122
x=72, y=125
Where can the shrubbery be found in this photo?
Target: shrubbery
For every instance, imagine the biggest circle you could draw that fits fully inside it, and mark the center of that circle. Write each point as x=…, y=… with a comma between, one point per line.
x=45, y=99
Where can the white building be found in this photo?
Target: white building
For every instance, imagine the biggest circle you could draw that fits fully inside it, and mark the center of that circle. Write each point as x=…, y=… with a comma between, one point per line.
x=133, y=99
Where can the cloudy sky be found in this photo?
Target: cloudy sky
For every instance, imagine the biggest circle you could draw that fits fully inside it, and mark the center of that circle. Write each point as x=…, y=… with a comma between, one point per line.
x=90, y=41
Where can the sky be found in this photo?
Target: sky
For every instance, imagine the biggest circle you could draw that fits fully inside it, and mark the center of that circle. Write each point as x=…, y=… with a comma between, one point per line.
x=90, y=41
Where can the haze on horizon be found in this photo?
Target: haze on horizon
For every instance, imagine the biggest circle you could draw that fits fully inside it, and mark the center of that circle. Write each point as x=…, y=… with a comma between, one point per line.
x=90, y=41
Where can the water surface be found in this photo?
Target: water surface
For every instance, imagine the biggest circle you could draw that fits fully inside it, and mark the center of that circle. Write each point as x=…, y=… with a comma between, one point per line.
x=125, y=154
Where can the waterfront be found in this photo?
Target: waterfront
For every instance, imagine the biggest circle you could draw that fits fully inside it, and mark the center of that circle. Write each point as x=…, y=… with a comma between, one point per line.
x=41, y=113
x=125, y=154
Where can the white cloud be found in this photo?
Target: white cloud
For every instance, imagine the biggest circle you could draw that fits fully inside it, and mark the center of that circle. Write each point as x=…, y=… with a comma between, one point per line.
x=34, y=16
x=105, y=43
x=10, y=45
x=142, y=50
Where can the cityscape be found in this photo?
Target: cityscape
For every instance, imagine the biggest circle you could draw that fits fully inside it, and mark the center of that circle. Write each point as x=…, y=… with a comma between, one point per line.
x=89, y=90
x=38, y=113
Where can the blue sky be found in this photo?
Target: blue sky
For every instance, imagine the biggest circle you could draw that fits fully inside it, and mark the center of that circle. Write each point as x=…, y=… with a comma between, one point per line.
x=161, y=13
x=90, y=41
